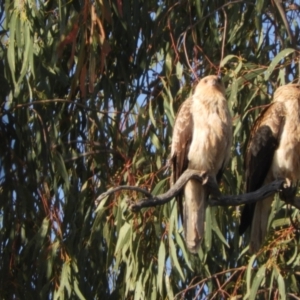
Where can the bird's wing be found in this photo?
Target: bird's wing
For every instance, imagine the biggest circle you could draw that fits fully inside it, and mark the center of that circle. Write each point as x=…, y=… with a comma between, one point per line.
x=181, y=141
x=182, y=137
x=264, y=140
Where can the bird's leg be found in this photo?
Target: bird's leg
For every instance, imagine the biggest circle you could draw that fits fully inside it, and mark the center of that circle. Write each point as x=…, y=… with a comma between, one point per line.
x=289, y=190
x=211, y=183
x=288, y=194
x=287, y=183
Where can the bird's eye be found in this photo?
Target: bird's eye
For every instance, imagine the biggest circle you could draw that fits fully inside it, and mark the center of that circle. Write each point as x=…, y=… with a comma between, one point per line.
x=205, y=80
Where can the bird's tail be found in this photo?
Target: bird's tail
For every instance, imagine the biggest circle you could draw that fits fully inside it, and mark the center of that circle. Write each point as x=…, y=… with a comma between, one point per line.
x=260, y=224
x=194, y=214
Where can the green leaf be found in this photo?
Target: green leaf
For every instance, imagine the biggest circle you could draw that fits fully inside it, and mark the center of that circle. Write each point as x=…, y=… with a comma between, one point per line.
x=151, y=115
x=61, y=168
x=257, y=281
x=169, y=110
x=161, y=265
x=64, y=282
x=216, y=227
x=173, y=255
x=179, y=70
x=139, y=289
x=294, y=256
x=281, y=55
x=169, y=287
x=248, y=276
x=39, y=239
x=208, y=228
x=167, y=91
x=280, y=282
x=233, y=94
x=168, y=64
x=155, y=141
x=159, y=186
x=123, y=237
x=182, y=247
x=279, y=223
x=227, y=58
x=77, y=291
x=11, y=46
x=154, y=289
x=75, y=281
x=27, y=52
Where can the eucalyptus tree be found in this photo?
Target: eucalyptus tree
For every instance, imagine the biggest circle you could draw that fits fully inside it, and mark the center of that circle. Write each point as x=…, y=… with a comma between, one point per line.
x=89, y=92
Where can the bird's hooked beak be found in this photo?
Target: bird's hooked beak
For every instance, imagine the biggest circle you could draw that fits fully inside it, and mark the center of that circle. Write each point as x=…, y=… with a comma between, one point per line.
x=214, y=82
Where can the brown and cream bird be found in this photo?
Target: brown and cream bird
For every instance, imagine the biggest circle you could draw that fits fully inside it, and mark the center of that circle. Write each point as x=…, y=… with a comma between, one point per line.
x=201, y=141
x=273, y=152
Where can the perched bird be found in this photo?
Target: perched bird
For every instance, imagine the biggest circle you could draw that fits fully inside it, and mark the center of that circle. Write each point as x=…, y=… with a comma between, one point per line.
x=273, y=152
x=202, y=136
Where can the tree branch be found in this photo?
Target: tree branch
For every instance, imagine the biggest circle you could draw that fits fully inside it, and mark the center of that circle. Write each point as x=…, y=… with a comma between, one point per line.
x=120, y=188
x=175, y=189
x=216, y=199
x=258, y=195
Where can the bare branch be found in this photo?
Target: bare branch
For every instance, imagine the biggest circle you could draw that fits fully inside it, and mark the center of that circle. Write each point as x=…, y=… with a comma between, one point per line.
x=287, y=194
x=120, y=188
x=202, y=177
x=258, y=195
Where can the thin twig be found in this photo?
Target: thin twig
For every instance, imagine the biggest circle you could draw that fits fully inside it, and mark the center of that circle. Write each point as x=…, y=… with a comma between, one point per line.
x=223, y=40
x=120, y=188
x=187, y=58
x=213, y=12
x=243, y=268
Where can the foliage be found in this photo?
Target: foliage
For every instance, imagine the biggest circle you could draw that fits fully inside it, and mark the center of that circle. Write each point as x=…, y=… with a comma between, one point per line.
x=88, y=95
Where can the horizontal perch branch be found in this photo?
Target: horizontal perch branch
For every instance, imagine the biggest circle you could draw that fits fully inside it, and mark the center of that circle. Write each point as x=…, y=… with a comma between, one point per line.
x=175, y=189
x=216, y=198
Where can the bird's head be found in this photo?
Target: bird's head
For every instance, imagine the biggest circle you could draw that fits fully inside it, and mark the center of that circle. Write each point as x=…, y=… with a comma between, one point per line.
x=287, y=92
x=208, y=84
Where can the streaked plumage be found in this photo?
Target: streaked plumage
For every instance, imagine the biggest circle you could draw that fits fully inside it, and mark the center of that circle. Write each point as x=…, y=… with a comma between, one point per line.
x=201, y=140
x=273, y=152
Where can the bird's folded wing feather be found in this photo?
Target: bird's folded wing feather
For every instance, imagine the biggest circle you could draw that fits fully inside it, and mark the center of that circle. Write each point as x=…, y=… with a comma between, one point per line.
x=263, y=141
x=182, y=137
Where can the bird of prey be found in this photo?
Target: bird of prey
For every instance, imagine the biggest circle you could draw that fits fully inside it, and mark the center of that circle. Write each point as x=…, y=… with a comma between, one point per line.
x=273, y=152
x=202, y=136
